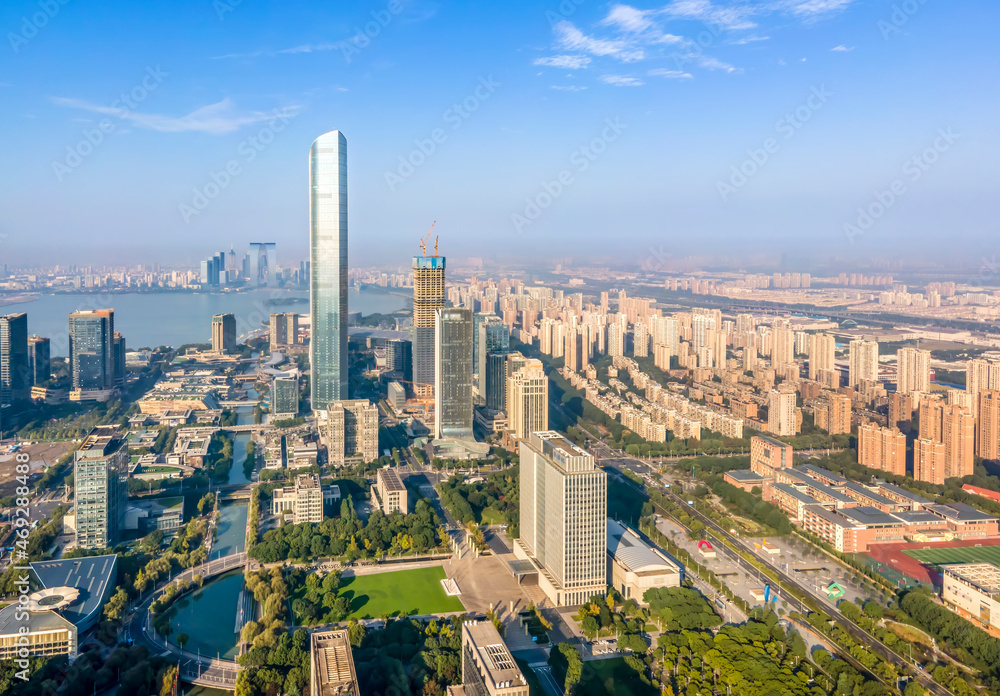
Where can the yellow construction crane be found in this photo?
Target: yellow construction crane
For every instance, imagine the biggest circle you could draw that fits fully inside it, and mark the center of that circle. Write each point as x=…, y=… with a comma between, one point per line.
x=423, y=242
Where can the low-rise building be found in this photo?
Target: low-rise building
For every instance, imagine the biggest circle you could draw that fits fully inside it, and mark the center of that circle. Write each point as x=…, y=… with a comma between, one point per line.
x=635, y=565
x=331, y=665
x=389, y=494
x=972, y=590
x=488, y=668
x=304, y=500
x=768, y=454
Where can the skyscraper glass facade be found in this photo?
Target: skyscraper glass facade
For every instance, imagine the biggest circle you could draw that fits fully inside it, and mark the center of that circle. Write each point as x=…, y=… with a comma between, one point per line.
x=328, y=259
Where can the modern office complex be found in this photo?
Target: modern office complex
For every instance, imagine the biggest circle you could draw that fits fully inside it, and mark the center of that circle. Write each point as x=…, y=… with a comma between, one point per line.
x=428, y=298
x=304, y=500
x=492, y=338
x=284, y=329
x=528, y=400
x=349, y=430
x=328, y=256
x=564, y=509
x=39, y=359
x=92, y=350
x=15, y=377
x=66, y=599
x=224, y=333
x=488, y=668
x=331, y=665
x=285, y=395
x=453, y=374
x=100, y=476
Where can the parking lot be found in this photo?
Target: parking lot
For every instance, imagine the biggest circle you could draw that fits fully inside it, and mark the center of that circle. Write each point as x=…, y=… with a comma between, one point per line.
x=816, y=570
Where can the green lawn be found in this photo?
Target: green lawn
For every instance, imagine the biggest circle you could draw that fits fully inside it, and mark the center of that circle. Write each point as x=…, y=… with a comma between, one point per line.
x=493, y=516
x=960, y=554
x=414, y=591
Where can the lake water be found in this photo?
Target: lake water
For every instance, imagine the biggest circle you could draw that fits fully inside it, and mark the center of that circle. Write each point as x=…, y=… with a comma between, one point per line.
x=176, y=318
x=208, y=617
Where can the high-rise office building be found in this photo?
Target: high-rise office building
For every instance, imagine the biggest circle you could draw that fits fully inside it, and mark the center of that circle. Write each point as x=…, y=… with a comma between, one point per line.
x=428, y=298
x=349, y=429
x=494, y=339
x=283, y=329
x=564, y=510
x=399, y=357
x=224, y=333
x=988, y=425
x=15, y=376
x=100, y=479
x=822, y=354
x=453, y=374
x=285, y=395
x=92, y=349
x=328, y=256
x=119, y=359
x=863, y=362
x=913, y=370
x=262, y=265
x=882, y=448
x=39, y=359
x=781, y=415
x=528, y=400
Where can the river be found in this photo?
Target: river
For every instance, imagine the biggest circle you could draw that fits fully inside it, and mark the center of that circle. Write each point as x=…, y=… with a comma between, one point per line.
x=175, y=318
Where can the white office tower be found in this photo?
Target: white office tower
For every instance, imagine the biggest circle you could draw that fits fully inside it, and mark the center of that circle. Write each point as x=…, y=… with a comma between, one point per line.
x=564, y=508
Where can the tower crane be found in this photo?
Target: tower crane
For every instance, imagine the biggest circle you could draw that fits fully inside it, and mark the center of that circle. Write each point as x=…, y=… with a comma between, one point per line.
x=423, y=242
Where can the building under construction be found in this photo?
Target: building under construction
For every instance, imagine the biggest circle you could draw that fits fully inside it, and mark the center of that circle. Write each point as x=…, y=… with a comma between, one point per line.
x=428, y=297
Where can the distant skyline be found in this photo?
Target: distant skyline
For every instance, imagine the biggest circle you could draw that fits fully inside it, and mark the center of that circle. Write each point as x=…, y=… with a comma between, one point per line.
x=579, y=128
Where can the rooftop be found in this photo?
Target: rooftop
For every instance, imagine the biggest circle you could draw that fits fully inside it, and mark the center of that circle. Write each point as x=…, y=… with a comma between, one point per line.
x=795, y=493
x=744, y=475
x=831, y=517
x=983, y=576
x=332, y=664
x=868, y=493
x=102, y=440
x=960, y=512
x=390, y=479
x=634, y=553
x=869, y=516
x=902, y=493
x=89, y=575
x=811, y=470
x=485, y=641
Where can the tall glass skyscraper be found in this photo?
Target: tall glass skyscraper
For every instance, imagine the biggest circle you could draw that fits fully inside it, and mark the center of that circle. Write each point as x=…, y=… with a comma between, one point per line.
x=328, y=258
x=15, y=379
x=92, y=349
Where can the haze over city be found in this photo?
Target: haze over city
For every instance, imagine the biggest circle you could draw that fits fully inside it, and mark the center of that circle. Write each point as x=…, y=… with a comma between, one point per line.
x=697, y=86
x=536, y=349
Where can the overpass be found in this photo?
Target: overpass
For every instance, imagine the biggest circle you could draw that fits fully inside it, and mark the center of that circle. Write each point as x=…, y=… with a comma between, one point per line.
x=249, y=428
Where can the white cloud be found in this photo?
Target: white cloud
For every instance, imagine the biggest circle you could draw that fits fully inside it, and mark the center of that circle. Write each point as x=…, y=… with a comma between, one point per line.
x=621, y=81
x=565, y=62
x=568, y=36
x=628, y=19
x=703, y=10
x=813, y=8
x=670, y=74
x=310, y=48
x=217, y=118
x=569, y=88
x=842, y=48
x=752, y=38
x=710, y=63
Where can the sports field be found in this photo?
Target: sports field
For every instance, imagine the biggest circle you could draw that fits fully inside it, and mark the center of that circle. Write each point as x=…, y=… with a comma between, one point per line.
x=413, y=591
x=957, y=554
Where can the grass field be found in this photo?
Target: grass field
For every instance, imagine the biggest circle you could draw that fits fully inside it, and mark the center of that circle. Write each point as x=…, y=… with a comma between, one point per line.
x=413, y=591
x=958, y=554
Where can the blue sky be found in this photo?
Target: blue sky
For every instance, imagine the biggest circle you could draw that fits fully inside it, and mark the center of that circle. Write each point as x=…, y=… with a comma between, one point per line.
x=823, y=105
